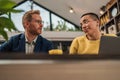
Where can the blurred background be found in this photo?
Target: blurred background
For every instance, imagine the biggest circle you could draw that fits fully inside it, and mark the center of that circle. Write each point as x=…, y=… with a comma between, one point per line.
x=61, y=18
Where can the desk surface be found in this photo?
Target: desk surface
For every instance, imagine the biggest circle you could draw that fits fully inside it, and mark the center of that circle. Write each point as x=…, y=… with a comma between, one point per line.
x=59, y=70
x=56, y=57
x=59, y=67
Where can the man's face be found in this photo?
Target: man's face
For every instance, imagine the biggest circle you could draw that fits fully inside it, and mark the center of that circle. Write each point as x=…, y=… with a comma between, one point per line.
x=35, y=25
x=89, y=25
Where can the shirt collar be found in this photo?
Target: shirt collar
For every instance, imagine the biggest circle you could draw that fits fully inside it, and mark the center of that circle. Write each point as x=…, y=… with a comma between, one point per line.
x=32, y=41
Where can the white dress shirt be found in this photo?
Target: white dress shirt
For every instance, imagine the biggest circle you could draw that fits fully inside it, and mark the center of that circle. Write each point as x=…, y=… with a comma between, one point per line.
x=30, y=46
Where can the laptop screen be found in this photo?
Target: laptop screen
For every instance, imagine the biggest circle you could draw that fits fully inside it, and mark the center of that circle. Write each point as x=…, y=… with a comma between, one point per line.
x=109, y=45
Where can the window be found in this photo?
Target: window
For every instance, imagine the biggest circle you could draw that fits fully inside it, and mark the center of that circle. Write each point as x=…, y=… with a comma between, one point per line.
x=58, y=24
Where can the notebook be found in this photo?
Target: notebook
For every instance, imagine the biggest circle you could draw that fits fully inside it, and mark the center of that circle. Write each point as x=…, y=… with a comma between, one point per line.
x=109, y=45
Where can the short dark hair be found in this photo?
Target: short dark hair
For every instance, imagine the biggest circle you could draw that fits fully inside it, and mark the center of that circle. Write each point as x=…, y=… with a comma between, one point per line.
x=93, y=15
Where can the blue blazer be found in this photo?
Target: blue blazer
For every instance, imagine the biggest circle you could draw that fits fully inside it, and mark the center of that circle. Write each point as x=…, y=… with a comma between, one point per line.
x=17, y=44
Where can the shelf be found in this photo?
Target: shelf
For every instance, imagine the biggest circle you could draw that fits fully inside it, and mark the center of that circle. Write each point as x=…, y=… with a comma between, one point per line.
x=113, y=11
x=117, y=19
x=119, y=5
x=110, y=4
x=104, y=18
x=110, y=20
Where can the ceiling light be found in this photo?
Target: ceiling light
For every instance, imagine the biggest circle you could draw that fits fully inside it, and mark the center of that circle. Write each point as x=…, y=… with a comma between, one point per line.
x=102, y=9
x=101, y=12
x=71, y=10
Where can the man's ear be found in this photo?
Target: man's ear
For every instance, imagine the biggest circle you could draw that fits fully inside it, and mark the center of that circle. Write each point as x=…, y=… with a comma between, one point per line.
x=26, y=24
x=98, y=23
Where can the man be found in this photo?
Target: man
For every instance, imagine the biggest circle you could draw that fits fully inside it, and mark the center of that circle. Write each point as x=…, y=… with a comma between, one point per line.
x=30, y=41
x=89, y=43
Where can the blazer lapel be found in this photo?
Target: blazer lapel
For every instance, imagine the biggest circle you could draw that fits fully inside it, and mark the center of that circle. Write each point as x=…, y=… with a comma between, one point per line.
x=22, y=43
x=38, y=44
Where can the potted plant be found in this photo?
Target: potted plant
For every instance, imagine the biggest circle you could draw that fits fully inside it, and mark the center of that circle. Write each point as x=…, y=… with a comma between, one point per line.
x=6, y=7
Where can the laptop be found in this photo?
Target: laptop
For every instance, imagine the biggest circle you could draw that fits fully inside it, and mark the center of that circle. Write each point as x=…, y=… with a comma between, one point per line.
x=109, y=45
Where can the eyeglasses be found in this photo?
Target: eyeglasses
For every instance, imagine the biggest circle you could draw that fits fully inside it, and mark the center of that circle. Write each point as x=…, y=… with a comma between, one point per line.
x=38, y=21
x=86, y=21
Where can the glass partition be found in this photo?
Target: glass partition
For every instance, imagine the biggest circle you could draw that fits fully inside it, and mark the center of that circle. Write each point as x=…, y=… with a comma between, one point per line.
x=53, y=23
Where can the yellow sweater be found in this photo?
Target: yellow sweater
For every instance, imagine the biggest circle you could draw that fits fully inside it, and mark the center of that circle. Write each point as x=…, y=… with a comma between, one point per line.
x=81, y=45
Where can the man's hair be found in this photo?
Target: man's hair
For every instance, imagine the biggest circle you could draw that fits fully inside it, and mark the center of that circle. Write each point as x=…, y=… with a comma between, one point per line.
x=28, y=15
x=93, y=15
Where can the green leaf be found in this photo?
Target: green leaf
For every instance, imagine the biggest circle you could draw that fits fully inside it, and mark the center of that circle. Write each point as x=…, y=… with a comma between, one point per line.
x=4, y=34
x=7, y=23
x=15, y=11
x=6, y=7
x=5, y=11
x=6, y=4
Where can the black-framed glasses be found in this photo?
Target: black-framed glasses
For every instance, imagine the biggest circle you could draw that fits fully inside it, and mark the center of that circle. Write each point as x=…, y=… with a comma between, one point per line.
x=38, y=21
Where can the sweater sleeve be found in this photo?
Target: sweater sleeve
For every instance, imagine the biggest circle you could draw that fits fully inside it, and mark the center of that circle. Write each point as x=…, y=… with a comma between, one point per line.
x=73, y=47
